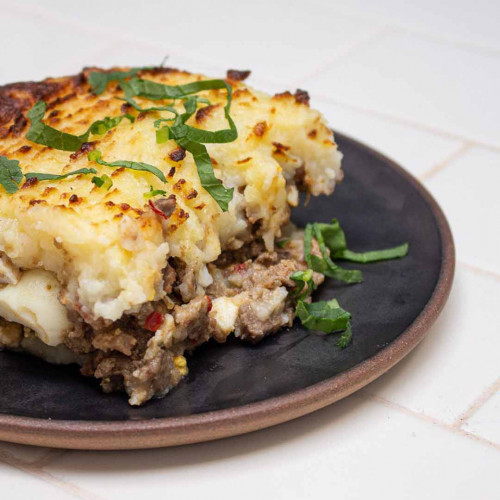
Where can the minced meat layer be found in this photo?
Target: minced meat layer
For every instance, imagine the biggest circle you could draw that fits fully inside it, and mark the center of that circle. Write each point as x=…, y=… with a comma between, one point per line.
x=143, y=353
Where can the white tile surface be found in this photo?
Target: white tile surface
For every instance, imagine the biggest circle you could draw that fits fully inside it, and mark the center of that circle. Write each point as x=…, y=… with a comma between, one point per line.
x=467, y=191
x=18, y=485
x=463, y=21
x=273, y=38
x=35, y=48
x=137, y=53
x=486, y=421
x=457, y=360
x=416, y=150
x=352, y=450
x=420, y=80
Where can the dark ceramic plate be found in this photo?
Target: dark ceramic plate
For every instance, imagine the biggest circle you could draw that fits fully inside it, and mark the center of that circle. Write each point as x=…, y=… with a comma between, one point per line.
x=236, y=387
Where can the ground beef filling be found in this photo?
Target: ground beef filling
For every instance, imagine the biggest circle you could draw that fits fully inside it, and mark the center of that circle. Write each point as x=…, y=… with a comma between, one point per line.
x=127, y=356
x=143, y=353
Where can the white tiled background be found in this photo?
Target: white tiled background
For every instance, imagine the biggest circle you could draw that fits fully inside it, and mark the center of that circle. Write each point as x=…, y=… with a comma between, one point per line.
x=418, y=80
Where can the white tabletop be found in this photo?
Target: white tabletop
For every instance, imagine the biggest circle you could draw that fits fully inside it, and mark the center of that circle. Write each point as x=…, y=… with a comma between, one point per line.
x=419, y=81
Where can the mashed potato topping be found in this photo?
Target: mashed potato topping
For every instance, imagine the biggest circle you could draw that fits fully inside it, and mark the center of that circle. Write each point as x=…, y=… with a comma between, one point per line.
x=106, y=247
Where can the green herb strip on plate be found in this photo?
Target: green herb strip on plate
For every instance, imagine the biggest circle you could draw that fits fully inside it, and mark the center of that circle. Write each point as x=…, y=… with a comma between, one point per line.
x=328, y=316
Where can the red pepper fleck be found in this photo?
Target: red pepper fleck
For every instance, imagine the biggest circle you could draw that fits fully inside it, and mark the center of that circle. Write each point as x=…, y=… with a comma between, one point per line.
x=238, y=268
x=153, y=321
x=209, y=300
x=156, y=211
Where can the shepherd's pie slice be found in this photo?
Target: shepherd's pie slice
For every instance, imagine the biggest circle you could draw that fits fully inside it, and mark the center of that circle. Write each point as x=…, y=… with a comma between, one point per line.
x=127, y=242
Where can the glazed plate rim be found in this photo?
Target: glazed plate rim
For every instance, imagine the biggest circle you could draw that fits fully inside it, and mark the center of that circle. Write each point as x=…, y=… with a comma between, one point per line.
x=208, y=426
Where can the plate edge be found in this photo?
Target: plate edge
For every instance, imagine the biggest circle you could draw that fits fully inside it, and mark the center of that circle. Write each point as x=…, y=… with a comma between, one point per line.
x=173, y=431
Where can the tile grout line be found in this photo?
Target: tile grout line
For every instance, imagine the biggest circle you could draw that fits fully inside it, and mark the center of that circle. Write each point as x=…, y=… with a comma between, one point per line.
x=480, y=270
x=462, y=149
x=404, y=121
x=488, y=51
x=477, y=404
x=43, y=475
x=448, y=40
x=427, y=418
x=378, y=33
x=484, y=49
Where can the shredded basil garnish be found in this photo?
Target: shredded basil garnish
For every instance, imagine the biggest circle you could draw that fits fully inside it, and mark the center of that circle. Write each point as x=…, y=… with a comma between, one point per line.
x=154, y=192
x=189, y=138
x=206, y=173
x=283, y=243
x=329, y=316
x=58, y=177
x=11, y=174
x=323, y=316
x=335, y=240
x=324, y=264
x=305, y=283
x=103, y=182
x=44, y=134
x=133, y=165
x=99, y=80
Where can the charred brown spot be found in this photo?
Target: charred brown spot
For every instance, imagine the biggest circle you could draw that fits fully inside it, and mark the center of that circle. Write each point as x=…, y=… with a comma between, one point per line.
x=280, y=147
x=171, y=172
x=18, y=126
x=200, y=206
x=260, y=129
x=213, y=161
x=74, y=199
x=203, y=113
x=125, y=107
x=161, y=70
x=24, y=149
x=178, y=185
x=141, y=116
x=177, y=154
x=85, y=148
x=118, y=171
x=17, y=98
x=312, y=134
x=245, y=160
x=110, y=204
x=282, y=95
x=125, y=206
x=302, y=97
x=33, y=181
x=238, y=75
x=183, y=215
x=272, y=110
x=37, y=202
x=61, y=100
x=240, y=92
x=48, y=190
x=192, y=194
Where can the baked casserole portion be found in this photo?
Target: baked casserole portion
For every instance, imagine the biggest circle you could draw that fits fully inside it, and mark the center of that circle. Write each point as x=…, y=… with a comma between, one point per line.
x=122, y=268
